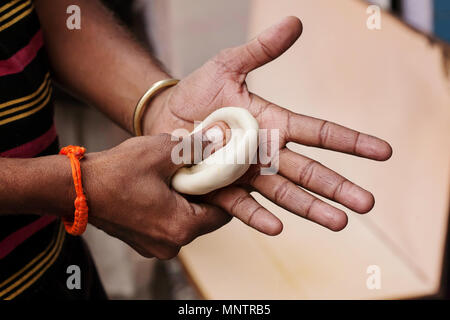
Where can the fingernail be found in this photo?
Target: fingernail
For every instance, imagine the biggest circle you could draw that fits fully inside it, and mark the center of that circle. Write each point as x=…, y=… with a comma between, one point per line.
x=213, y=134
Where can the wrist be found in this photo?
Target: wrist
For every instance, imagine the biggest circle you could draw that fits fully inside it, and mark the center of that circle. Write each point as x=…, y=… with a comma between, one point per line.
x=153, y=109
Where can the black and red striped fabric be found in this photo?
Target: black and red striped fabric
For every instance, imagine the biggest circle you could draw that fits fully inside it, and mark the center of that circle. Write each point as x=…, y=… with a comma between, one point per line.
x=30, y=245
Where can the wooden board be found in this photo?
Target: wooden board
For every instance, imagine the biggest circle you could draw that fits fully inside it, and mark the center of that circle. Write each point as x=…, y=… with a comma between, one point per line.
x=393, y=83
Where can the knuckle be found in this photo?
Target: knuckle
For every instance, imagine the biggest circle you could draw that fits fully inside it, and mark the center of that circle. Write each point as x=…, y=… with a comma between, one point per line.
x=356, y=142
x=308, y=211
x=168, y=253
x=265, y=49
x=182, y=238
x=337, y=192
x=238, y=202
x=253, y=215
x=223, y=60
x=180, y=231
x=282, y=191
x=307, y=172
x=324, y=133
x=178, y=236
x=146, y=253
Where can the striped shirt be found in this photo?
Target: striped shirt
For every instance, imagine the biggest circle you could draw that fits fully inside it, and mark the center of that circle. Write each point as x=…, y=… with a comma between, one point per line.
x=29, y=244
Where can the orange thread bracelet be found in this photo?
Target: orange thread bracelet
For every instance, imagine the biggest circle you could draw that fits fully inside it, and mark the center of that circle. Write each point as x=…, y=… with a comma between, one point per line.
x=80, y=220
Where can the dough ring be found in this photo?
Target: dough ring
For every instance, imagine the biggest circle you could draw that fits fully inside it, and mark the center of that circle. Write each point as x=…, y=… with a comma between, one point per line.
x=227, y=164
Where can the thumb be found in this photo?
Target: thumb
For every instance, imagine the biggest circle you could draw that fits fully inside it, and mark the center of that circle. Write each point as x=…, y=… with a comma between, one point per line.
x=193, y=148
x=267, y=46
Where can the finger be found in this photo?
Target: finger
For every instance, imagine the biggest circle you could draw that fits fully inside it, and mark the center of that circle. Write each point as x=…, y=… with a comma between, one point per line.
x=212, y=137
x=191, y=220
x=209, y=217
x=289, y=196
x=328, y=135
x=240, y=204
x=151, y=249
x=269, y=45
x=321, y=133
x=317, y=178
x=146, y=247
x=164, y=252
x=192, y=149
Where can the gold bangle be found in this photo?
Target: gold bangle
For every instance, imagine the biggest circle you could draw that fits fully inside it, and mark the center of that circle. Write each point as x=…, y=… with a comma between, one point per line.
x=139, y=111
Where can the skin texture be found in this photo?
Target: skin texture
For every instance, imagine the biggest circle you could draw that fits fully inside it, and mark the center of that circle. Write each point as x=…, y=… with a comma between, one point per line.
x=221, y=169
x=101, y=63
x=170, y=221
x=128, y=191
x=221, y=82
x=128, y=186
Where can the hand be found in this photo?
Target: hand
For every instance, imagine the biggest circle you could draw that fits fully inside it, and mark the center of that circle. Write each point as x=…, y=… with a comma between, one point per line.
x=221, y=82
x=130, y=198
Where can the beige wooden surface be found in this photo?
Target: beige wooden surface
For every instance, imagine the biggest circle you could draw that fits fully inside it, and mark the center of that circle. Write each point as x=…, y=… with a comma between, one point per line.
x=392, y=83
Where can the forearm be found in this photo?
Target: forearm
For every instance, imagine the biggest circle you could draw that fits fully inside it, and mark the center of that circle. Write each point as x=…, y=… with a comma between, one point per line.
x=101, y=63
x=41, y=185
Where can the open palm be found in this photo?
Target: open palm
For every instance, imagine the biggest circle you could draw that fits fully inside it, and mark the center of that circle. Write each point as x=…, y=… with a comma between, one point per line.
x=220, y=82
